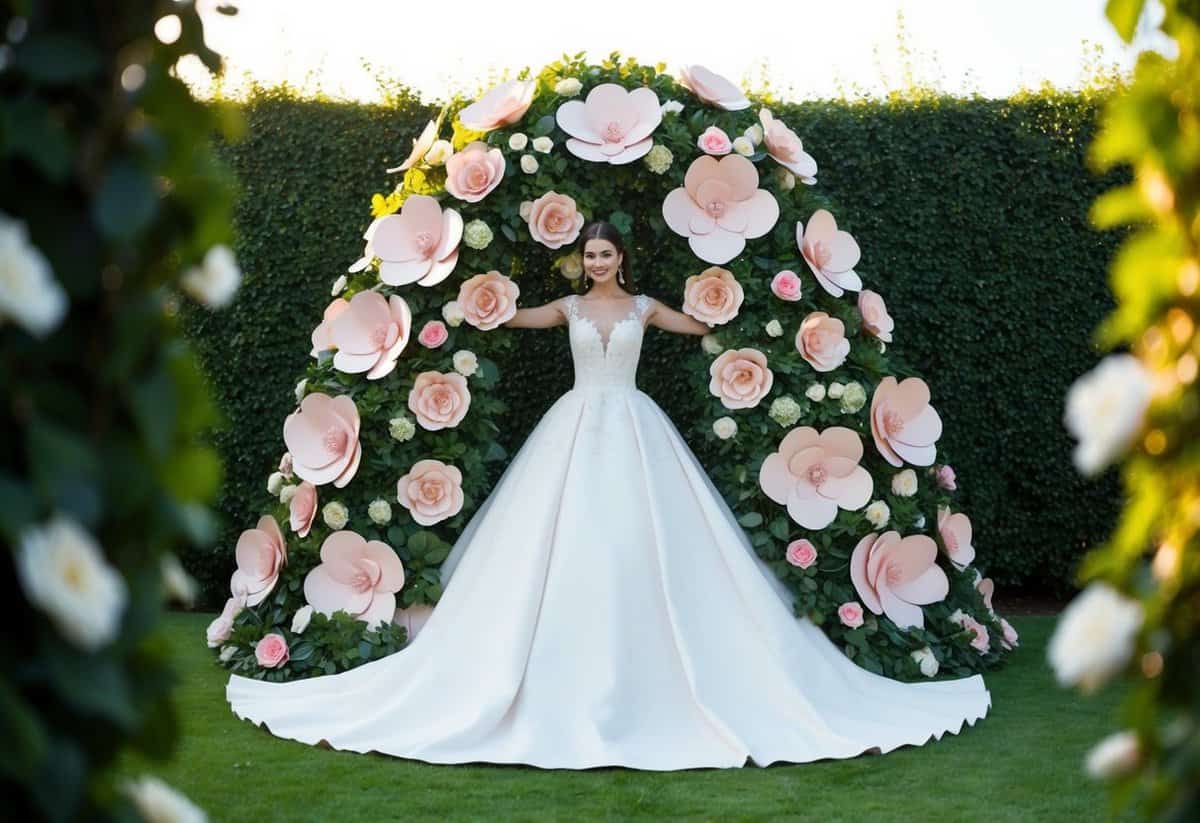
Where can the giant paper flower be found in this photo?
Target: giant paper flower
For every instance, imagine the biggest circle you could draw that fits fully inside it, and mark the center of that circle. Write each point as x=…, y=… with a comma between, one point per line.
x=421, y=145
x=783, y=145
x=955, y=531
x=370, y=334
x=904, y=425
x=713, y=89
x=357, y=576
x=474, y=172
x=822, y=341
x=554, y=220
x=896, y=576
x=816, y=474
x=488, y=300
x=418, y=245
x=322, y=336
x=323, y=439
x=829, y=252
x=501, y=105
x=439, y=401
x=713, y=296
x=261, y=556
x=719, y=207
x=431, y=491
x=740, y=378
x=612, y=125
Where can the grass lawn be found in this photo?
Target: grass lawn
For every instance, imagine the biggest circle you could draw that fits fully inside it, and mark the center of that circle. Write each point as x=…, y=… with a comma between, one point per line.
x=1023, y=762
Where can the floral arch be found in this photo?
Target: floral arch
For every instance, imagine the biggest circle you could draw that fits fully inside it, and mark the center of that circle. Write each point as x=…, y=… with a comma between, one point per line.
x=830, y=462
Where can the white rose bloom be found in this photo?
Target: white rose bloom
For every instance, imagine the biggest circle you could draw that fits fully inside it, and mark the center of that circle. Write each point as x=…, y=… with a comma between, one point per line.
x=287, y=493
x=465, y=362
x=275, y=483
x=157, y=802
x=379, y=511
x=725, y=427
x=452, y=313
x=529, y=163
x=179, y=585
x=672, y=107
x=784, y=410
x=774, y=328
x=568, y=87
x=571, y=266
x=904, y=483
x=743, y=146
x=29, y=294
x=216, y=281
x=336, y=515
x=477, y=234
x=227, y=653
x=854, y=397
x=1105, y=409
x=401, y=428
x=659, y=158
x=439, y=152
x=1115, y=756
x=301, y=618
x=786, y=180
x=300, y=387
x=711, y=344
x=543, y=144
x=1094, y=637
x=878, y=514
x=926, y=660
x=836, y=390
x=517, y=141
x=526, y=208
x=64, y=573
x=339, y=286
x=815, y=392
x=754, y=134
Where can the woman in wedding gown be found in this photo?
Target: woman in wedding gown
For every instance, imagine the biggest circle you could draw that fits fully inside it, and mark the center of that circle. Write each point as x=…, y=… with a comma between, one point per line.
x=604, y=608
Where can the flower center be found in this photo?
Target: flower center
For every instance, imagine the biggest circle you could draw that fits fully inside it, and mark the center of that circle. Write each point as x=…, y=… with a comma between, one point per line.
x=431, y=491
x=425, y=242
x=335, y=440
x=613, y=132
x=894, y=576
x=893, y=423
x=951, y=541
x=817, y=474
x=477, y=178
x=819, y=253
x=366, y=575
x=715, y=209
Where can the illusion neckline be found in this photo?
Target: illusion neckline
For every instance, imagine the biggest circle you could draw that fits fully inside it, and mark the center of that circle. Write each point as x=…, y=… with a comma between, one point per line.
x=631, y=315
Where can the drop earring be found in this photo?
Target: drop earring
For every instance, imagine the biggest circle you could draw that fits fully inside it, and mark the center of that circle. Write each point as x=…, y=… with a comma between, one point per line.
x=620, y=275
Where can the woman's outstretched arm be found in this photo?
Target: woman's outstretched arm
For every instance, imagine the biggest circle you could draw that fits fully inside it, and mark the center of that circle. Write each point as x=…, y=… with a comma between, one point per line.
x=667, y=319
x=539, y=317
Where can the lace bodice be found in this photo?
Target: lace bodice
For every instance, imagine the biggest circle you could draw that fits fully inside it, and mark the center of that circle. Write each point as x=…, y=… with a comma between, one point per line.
x=605, y=357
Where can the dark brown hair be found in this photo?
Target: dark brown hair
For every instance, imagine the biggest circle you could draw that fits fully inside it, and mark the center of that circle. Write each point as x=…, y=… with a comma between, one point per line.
x=603, y=230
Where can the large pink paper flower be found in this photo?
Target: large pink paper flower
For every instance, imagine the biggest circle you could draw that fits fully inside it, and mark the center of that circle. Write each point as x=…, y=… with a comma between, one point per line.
x=612, y=125
x=431, y=491
x=501, y=105
x=719, y=207
x=554, y=220
x=421, y=145
x=904, y=425
x=357, y=576
x=830, y=253
x=713, y=89
x=955, y=531
x=713, y=296
x=323, y=439
x=896, y=576
x=302, y=509
x=322, y=336
x=418, y=245
x=875, y=318
x=783, y=145
x=816, y=474
x=487, y=300
x=439, y=401
x=740, y=378
x=370, y=334
x=261, y=556
x=822, y=341
x=472, y=173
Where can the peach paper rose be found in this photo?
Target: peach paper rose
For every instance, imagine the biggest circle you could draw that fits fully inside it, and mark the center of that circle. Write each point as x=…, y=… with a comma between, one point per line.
x=955, y=531
x=357, y=576
x=786, y=286
x=302, y=508
x=431, y=491
x=488, y=300
x=714, y=141
x=740, y=378
x=822, y=341
x=896, y=576
x=713, y=89
x=713, y=296
x=785, y=147
x=474, y=172
x=801, y=553
x=323, y=439
x=272, y=651
x=904, y=425
x=322, y=336
x=439, y=401
x=418, y=245
x=261, y=555
x=830, y=253
x=370, y=334
x=501, y=105
x=814, y=474
x=433, y=334
x=612, y=124
x=554, y=221
x=875, y=317
x=719, y=207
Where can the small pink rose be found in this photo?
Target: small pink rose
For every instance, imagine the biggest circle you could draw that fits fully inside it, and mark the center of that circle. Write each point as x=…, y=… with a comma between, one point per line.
x=714, y=141
x=272, y=651
x=219, y=630
x=474, y=172
x=302, y=509
x=801, y=553
x=945, y=477
x=851, y=614
x=786, y=286
x=1010, y=634
x=439, y=401
x=431, y=491
x=433, y=334
x=822, y=341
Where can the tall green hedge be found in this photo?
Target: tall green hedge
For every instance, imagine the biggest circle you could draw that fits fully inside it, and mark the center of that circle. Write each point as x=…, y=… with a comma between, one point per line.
x=972, y=219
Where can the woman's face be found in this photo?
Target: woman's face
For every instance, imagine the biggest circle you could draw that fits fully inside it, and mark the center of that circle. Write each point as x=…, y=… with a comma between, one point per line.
x=600, y=259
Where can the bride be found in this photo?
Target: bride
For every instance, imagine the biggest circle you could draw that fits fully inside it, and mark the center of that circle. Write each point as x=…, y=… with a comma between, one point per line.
x=604, y=608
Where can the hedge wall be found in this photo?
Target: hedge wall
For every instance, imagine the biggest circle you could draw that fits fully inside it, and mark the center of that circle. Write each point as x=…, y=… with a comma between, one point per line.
x=972, y=219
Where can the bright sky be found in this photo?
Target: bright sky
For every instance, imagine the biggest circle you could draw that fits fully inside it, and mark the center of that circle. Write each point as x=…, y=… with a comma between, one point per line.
x=816, y=50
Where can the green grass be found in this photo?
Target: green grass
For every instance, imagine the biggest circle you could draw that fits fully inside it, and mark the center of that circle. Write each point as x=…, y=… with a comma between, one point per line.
x=1022, y=762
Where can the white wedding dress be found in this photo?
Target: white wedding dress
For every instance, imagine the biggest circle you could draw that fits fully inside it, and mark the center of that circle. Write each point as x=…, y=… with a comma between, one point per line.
x=604, y=608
